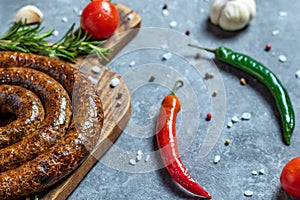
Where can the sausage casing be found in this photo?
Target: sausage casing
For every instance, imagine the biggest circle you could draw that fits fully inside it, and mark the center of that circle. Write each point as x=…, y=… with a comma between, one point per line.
x=70, y=129
x=26, y=106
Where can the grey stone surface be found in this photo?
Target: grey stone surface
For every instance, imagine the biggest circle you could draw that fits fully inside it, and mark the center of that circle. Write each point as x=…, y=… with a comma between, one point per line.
x=255, y=144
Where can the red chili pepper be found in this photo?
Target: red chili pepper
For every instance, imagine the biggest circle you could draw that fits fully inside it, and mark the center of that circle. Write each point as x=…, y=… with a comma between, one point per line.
x=167, y=144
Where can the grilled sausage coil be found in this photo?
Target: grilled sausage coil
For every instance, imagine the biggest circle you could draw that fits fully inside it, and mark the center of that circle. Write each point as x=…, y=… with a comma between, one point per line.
x=26, y=105
x=59, y=120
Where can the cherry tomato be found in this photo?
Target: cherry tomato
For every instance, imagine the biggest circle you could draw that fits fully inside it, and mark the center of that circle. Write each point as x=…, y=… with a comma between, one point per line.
x=100, y=19
x=290, y=177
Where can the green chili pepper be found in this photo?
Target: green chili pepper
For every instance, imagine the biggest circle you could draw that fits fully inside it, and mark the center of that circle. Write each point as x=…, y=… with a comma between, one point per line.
x=266, y=77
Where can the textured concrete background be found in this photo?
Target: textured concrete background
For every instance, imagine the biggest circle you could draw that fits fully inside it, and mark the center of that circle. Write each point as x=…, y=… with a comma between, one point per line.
x=255, y=144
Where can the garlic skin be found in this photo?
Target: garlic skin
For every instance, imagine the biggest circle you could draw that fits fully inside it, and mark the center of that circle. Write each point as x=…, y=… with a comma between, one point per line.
x=232, y=15
x=29, y=14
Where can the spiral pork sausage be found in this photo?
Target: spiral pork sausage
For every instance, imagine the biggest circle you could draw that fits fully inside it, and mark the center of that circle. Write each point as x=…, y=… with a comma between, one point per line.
x=70, y=126
x=25, y=105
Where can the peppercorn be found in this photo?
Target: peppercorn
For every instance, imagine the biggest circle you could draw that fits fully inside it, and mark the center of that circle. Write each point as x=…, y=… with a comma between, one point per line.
x=208, y=117
x=268, y=47
x=243, y=81
x=227, y=142
x=187, y=32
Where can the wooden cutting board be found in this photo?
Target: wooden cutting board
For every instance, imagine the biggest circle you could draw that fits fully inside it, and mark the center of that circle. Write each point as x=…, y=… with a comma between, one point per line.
x=116, y=102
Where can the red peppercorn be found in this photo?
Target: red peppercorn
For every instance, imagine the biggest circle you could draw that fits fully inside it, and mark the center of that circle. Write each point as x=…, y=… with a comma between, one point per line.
x=187, y=32
x=208, y=117
x=268, y=47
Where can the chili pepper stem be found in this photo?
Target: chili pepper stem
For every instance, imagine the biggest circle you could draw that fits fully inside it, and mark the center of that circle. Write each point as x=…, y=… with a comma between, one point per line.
x=203, y=48
x=178, y=84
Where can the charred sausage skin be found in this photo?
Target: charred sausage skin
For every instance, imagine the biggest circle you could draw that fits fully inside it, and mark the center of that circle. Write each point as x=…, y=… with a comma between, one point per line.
x=55, y=149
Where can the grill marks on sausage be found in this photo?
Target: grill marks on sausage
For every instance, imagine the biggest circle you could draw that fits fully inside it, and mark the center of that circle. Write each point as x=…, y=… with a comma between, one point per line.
x=62, y=140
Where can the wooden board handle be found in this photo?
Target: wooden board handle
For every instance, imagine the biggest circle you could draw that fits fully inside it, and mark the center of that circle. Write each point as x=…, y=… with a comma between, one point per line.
x=117, y=109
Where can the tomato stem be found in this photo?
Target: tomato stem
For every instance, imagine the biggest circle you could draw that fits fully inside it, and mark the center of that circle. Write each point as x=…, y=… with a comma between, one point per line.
x=178, y=84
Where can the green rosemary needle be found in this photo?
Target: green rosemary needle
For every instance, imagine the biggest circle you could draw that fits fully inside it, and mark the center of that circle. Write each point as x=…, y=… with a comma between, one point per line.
x=29, y=39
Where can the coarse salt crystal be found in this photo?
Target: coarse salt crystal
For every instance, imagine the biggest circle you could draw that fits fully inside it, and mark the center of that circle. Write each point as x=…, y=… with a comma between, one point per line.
x=275, y=32
x=147, y=158
x=114, y=82
x=229, y=124
x=248, y=193
x=246, y=116
x=132, y=63
x=75, y=9
x=64, y=19
x=217, y=159
x=96, y=69
x=164, y=46
x=234, y=119
x=167, y=56
x=254, y=172
x=282, y=14
x=261, y=171
x=132, y=162
x=55, y=33
x=139, y=157
x=173, y=24
x=282, y=58
x=140, y=152
x=165, y=12
x=297, y=74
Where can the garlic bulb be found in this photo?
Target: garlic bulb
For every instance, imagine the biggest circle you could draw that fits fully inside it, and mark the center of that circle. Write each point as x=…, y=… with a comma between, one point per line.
x=29, y=14
x=232, y=15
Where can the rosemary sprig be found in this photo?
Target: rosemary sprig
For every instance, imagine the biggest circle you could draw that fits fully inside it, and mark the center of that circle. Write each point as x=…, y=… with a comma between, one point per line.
x=29, y=39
